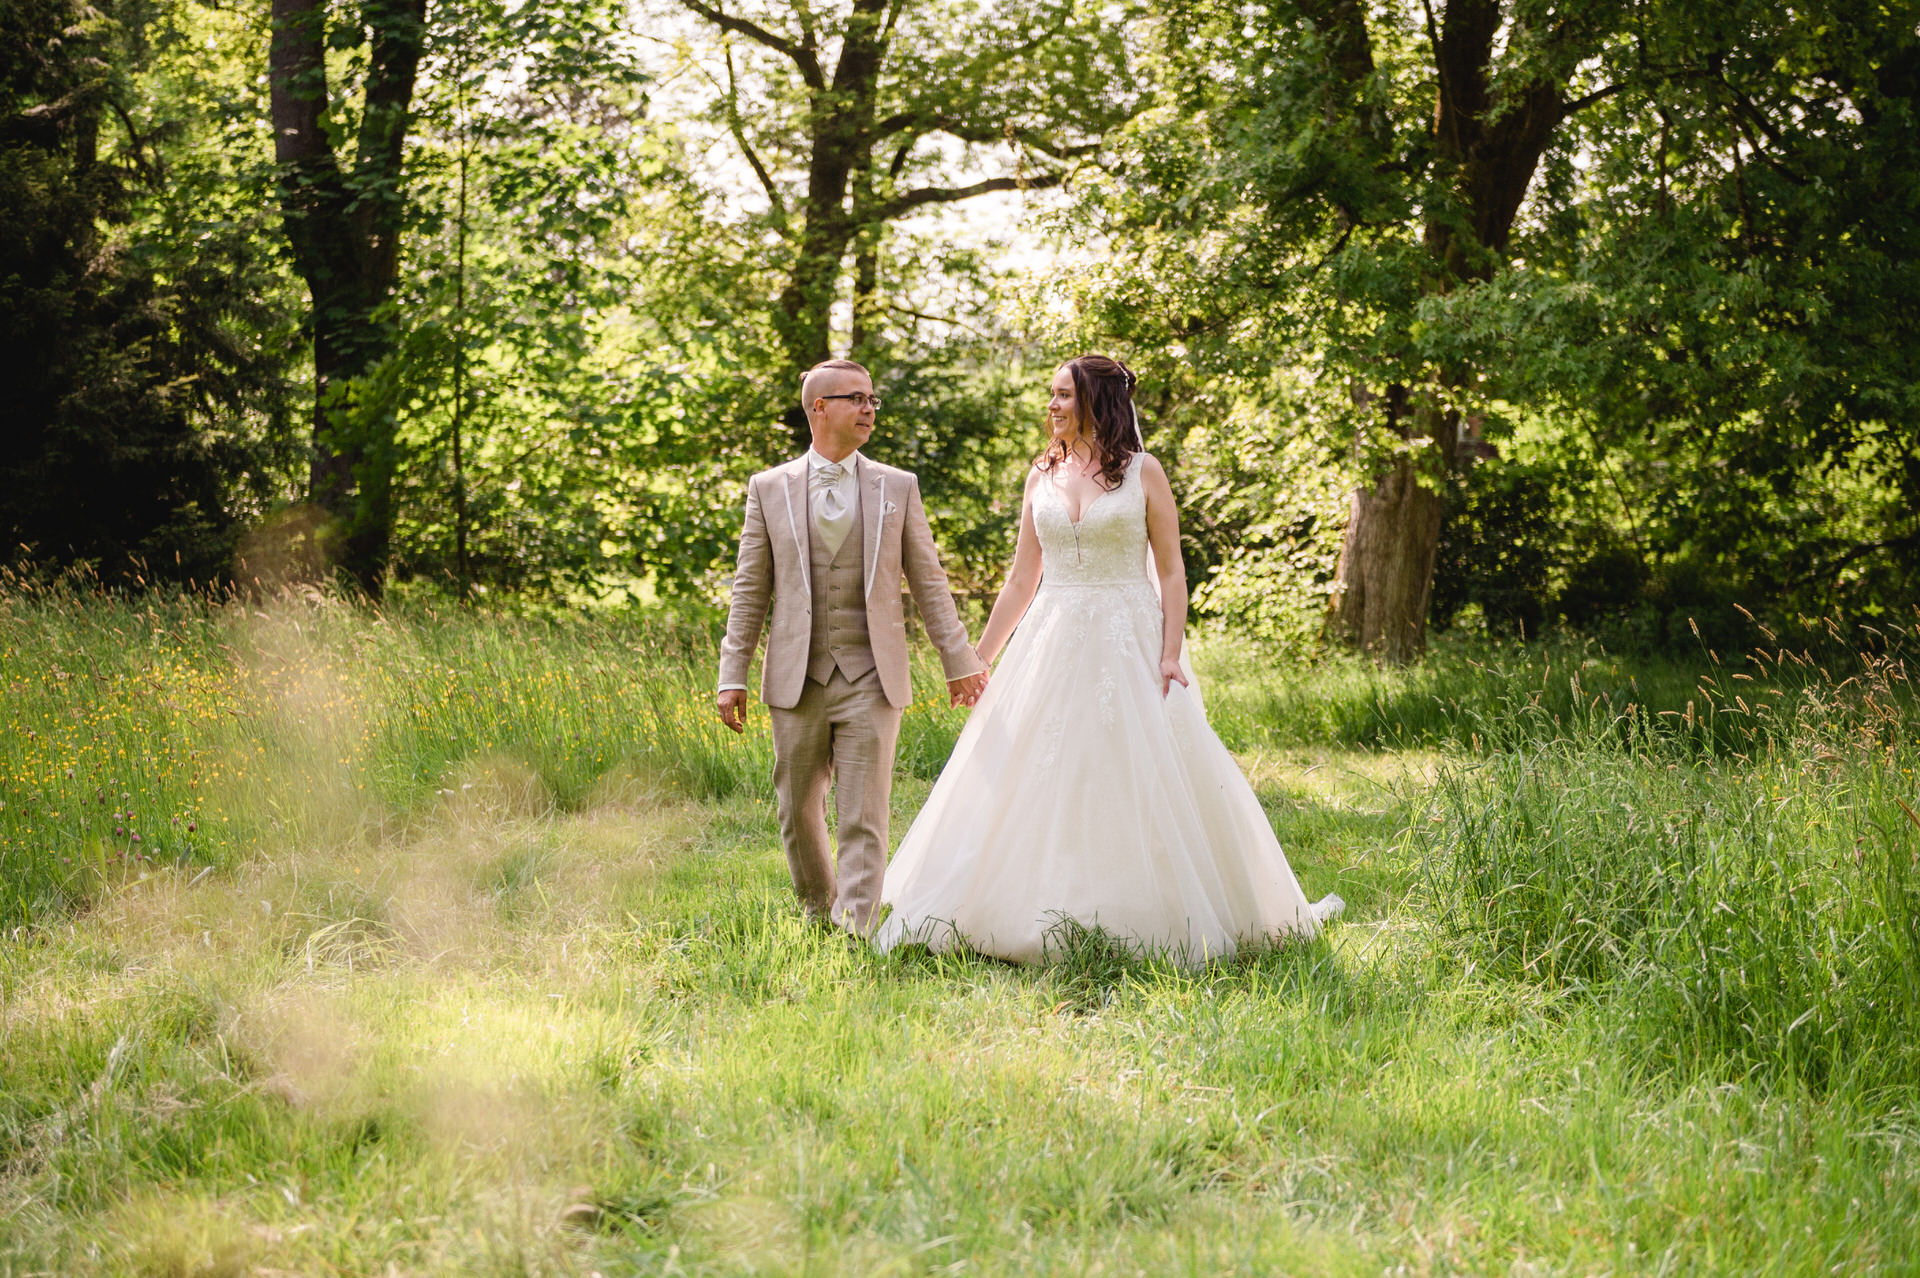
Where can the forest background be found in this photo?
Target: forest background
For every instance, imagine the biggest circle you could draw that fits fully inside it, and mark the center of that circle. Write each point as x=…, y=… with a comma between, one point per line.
x=1596, y=314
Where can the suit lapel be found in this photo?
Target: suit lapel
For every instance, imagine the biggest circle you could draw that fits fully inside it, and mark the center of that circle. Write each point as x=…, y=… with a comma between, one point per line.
x=873, y=512
x=799, y=517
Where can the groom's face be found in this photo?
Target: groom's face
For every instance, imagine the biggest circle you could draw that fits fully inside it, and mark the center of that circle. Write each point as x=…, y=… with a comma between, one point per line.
x=840, y=425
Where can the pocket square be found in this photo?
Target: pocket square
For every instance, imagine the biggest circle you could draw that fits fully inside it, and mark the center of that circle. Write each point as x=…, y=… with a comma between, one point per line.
x=888, y=508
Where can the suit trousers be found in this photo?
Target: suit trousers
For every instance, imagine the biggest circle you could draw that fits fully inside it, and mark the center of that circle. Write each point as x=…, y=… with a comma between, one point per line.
x=841, y=733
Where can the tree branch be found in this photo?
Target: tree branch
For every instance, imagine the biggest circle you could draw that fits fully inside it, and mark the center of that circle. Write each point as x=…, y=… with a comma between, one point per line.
x=297, y=75
x=1344, y=24
x=921, y=124
x=1586, y=100
x=739, y=130
x=1751, y=111
x=1439, y=63
x=1059, y=151
x=898, y=121
x=808, y=40
x=1338, y=245
x=976, y=72
x=399, y=32
x=801, y=55
x=1860, y=551
x=935, y=319
x=154, y=171
x=1747, y=117
x=910, y=200
x=1765, y=156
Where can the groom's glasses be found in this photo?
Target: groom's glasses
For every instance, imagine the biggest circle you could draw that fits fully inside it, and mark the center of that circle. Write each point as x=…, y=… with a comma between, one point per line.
x=860, y=400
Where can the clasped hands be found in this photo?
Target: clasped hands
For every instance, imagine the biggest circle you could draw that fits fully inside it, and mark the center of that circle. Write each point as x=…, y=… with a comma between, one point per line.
x=966, y=690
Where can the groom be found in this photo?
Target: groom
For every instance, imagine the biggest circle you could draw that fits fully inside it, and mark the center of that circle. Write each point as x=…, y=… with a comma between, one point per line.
x=827, y=538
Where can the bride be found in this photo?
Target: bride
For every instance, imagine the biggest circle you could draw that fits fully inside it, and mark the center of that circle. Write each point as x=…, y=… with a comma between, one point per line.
x=1087, y=785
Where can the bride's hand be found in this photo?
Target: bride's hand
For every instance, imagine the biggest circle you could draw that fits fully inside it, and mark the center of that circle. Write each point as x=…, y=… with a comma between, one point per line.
x=1170, y=674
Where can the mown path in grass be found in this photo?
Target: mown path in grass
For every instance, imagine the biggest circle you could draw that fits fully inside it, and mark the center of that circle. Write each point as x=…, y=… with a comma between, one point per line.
x=446, y=1007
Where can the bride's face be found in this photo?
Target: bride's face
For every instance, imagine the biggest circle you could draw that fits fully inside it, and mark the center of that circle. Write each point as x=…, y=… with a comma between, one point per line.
x=1063, y=413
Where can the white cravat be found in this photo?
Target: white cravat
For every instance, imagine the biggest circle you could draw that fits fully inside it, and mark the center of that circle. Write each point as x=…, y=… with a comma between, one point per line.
x=830, y=494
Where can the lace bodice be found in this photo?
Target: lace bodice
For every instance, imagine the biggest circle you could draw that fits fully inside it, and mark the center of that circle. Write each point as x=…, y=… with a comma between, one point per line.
x=1109, y=544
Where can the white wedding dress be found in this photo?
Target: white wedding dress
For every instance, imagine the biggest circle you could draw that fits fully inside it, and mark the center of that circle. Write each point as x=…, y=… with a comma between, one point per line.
x=1077, y=792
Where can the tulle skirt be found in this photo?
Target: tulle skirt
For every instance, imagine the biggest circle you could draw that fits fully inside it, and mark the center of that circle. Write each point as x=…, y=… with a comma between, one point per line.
x=1077, y=795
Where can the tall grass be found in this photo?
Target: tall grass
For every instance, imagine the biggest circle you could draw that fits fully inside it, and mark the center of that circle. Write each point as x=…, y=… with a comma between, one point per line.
x=1733, y=848
x=501, y=974
x=1492, y=694
x=161, y=730
x=1754, y=908
x=1464, y=689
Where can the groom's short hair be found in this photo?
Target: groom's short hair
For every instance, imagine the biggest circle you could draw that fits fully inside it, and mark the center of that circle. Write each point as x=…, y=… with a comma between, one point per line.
x=812, y=377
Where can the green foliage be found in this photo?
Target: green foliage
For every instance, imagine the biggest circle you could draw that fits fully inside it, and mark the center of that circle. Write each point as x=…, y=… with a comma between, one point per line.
x=1261, y=505
x=964, y=420
x=1701, y=315
x=1695, y=356
x=1498, y=546
x=143, y=322
x=1716, y=303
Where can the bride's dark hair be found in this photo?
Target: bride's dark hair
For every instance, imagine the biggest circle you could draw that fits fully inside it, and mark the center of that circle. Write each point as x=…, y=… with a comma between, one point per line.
x=1103, y=403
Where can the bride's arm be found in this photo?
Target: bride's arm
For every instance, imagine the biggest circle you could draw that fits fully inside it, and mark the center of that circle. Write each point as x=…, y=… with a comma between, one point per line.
x=1163, y=535
x=1022, y=580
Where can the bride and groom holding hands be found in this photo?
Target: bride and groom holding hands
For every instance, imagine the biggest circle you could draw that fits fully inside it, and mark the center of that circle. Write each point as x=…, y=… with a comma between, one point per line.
x=1086, y=785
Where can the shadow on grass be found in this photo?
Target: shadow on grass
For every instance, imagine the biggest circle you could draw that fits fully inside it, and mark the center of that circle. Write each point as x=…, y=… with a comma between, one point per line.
x=1092, y=968
x=1089, y=968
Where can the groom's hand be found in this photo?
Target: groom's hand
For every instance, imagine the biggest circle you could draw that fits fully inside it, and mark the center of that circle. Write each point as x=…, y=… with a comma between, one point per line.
x=732, y=705
x=966, y=691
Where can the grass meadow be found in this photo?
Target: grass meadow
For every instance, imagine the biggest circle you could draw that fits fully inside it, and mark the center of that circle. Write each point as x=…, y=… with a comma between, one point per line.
x=339, y=941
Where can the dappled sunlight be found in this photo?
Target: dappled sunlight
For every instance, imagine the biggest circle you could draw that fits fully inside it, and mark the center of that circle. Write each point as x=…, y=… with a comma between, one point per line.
x=300, y=1044
x=1340, y=778
x=171, y=1235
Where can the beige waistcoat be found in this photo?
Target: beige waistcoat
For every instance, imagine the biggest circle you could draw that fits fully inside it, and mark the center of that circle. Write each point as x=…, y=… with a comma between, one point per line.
x=839, y=633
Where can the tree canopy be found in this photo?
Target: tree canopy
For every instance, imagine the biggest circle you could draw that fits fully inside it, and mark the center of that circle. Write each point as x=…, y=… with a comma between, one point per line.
x=1502, y=313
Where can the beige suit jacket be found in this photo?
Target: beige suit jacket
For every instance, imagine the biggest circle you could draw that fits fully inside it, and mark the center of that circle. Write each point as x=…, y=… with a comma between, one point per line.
x=772, y=574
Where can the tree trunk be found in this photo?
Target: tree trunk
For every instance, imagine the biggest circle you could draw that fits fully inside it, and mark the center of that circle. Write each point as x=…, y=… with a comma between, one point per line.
x=866, y=272
x=1385, y=576
x=1486, y=151
x=806, y=306
x=840, y=129
x=463, y=568
x=344, y=229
